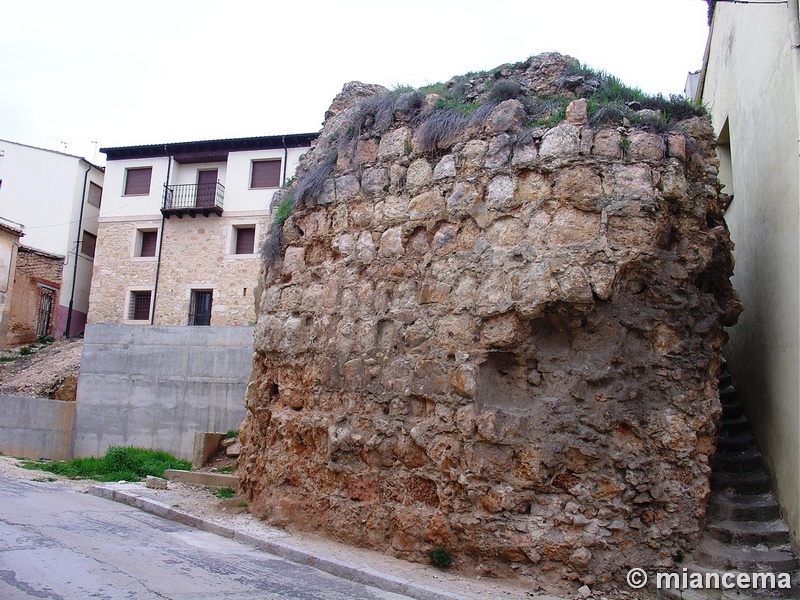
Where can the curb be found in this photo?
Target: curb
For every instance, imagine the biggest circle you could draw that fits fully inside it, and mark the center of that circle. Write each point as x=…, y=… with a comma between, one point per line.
x=339, y=568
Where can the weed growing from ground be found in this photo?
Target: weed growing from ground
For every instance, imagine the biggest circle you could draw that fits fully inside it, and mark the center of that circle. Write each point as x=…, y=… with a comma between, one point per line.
x=225, y=493
x=118, y=464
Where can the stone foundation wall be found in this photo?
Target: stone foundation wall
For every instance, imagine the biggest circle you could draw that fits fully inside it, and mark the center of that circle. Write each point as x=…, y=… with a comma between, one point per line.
x=507, y=347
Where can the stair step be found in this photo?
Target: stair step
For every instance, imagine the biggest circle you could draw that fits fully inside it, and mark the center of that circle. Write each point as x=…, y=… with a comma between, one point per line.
x=727, y=393
x=732, y=410
x=737, y=441
x=742, y=483
x=771, y=533
x=726, y=594
x=760, y=507
x=726, y=557
x=733, y=425
x=725, y=379
x=738, y=461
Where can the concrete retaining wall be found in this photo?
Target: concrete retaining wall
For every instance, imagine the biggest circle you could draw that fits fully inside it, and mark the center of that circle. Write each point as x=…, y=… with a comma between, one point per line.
x=156, y=386
x=36, y=427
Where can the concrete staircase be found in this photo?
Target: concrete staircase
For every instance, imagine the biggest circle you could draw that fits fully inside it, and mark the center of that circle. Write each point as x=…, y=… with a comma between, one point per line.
x=744, y=529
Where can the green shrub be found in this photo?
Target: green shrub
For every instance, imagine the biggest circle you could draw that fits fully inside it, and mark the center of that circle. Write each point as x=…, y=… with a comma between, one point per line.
x=26, y=350
x=231, y=433
x=118, y=464
x=441, y=557
x=505, y=89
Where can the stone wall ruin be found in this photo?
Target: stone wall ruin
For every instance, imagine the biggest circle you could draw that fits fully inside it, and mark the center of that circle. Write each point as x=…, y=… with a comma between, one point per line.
x=491, y=337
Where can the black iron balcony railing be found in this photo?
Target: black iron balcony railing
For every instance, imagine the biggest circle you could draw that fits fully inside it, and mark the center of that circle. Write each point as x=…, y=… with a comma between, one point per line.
x=193, y=198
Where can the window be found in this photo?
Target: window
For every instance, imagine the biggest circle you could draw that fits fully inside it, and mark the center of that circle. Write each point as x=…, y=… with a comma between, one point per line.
x=95, y=194
x=137, y=181
x=200, y=307
x=139, y=305
x=265, y=174
x=245, y=239
x=88, y=244
x=725, y=165
x=146, y=242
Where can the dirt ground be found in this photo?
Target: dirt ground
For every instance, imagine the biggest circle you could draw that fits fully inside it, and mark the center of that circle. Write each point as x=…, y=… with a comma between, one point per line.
x=50, y=371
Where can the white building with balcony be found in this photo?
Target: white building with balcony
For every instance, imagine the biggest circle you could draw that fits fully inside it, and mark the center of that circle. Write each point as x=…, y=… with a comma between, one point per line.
x=181, y=226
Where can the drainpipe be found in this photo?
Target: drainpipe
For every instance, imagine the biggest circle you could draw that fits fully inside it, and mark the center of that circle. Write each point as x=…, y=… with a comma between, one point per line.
x=160, y=242
x=77, y=245
x=285, y=160
x=794, y=23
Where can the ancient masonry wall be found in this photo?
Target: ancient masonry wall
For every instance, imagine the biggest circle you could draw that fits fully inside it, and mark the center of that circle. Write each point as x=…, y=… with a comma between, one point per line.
x=197, y=254
x=507, y=347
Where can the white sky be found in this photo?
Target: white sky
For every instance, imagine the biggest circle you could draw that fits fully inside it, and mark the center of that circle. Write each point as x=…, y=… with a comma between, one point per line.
x=153, y=71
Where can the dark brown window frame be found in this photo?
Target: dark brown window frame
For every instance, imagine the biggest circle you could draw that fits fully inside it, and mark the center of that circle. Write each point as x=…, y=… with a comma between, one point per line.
x=88, y=243
x=268, y=179
x=95, y=194
x=137, y=182
x=241, y=244
x=199, y=312
x=146, y=243
x=137, y=306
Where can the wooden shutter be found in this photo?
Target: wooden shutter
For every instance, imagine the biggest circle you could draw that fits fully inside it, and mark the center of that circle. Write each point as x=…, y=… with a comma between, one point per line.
x=137, y=181
x=245, y=240
x=149, y=243
x=95, y=194
x=89, y=244
x=266, y=174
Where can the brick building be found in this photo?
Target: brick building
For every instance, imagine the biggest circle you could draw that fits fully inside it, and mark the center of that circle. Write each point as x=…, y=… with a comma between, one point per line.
x=37, y=285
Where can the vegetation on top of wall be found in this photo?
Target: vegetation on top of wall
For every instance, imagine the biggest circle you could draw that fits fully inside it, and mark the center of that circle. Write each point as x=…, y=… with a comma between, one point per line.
x=612, y=102
x=303, y=190
x=467, y=101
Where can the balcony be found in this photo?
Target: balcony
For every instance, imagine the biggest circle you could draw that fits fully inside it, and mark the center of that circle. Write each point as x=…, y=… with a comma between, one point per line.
x=193, y=199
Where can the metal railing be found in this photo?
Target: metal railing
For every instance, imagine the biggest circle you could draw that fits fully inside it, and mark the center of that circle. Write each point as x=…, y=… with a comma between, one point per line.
x=193, y=195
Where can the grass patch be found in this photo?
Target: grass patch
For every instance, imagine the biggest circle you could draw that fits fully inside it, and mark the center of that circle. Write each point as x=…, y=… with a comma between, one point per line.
x=26, y=350
x=118, y=464
x=231, y=433
x=5, y=359
x=225, y=493
x=223, y=470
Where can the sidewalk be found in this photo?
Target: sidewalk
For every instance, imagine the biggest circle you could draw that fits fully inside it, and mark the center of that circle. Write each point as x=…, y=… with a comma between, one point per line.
x=363, y=566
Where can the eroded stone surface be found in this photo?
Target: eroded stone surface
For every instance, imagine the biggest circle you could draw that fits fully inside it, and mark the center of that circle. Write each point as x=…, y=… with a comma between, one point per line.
x=509, y=349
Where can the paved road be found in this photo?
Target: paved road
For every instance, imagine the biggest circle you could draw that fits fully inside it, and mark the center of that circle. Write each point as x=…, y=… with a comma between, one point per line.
x=57, y=544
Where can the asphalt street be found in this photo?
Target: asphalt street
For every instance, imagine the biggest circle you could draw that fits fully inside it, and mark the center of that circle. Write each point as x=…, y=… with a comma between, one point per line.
x=56, y=543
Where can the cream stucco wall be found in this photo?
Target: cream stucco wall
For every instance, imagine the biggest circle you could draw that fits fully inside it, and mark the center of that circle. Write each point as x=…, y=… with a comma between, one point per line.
x=751, y=84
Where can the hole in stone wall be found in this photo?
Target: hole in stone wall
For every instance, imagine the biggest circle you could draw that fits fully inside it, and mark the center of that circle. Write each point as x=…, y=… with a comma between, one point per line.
x=503, y=382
